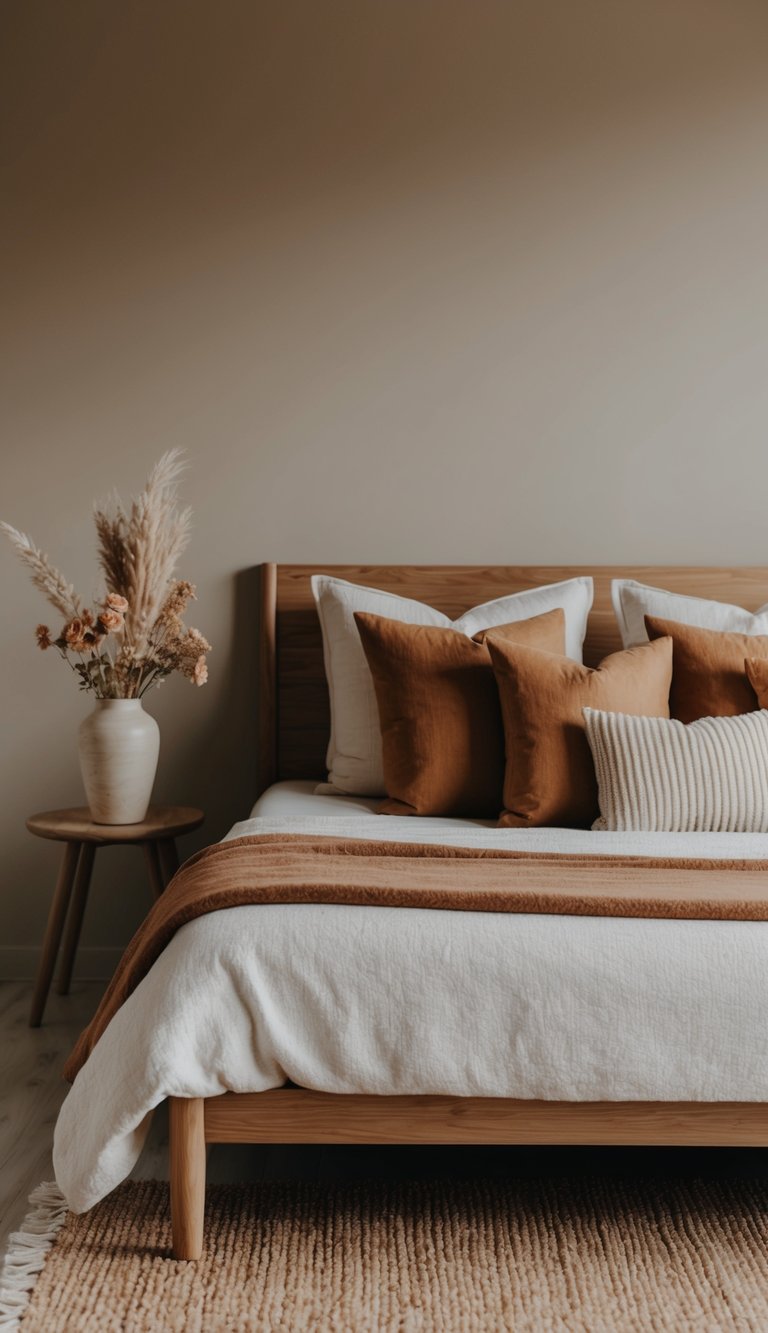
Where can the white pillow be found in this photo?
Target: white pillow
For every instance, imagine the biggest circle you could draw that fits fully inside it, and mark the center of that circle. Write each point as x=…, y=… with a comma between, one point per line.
x=632, y=601
x=354, y=751
x=658, y=775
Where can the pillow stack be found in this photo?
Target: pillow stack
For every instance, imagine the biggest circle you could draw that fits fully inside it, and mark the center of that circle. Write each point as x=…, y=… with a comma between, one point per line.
x=442, y=740
x=355, y=759
x=707, y=768
x=460, y=718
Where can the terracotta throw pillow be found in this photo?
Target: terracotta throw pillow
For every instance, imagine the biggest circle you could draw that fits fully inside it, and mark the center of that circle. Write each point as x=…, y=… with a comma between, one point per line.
x=441, y=729
x=550, y=777
x=757, y=675
x=708, y=676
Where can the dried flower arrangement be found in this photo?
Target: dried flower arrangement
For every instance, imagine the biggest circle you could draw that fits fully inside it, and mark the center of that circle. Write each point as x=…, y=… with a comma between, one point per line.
x=135, y=637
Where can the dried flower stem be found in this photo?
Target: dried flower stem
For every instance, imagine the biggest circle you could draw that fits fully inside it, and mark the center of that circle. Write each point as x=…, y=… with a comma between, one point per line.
x=139, y=550
x=45, y=576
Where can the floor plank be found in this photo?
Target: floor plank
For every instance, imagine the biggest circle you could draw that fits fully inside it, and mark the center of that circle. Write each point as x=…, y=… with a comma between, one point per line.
x=32, y=1090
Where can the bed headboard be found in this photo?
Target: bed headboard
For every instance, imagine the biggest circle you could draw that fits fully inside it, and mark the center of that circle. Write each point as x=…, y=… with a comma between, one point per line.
x=293, y=698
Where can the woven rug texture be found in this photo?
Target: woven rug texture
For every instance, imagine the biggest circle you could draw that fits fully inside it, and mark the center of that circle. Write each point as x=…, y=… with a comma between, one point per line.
x=597, y=1255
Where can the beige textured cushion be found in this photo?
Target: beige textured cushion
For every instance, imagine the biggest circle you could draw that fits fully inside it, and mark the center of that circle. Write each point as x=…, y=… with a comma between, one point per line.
x=663, y=776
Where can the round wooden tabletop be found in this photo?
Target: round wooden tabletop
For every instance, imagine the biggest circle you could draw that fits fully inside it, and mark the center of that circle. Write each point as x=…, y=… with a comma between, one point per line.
x=76, y=825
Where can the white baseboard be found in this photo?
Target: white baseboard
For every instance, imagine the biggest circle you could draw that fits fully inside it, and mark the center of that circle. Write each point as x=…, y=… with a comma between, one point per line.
x=95, y=964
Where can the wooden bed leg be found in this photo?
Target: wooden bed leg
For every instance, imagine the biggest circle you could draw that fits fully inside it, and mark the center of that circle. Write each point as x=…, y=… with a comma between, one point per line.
x=187, y=1166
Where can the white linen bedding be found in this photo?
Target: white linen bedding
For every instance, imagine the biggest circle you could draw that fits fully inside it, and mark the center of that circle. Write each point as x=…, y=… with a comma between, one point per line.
x=370, y=999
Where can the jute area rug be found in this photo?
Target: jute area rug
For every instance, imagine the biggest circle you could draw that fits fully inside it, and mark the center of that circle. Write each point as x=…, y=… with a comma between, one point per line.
x=590, y=1255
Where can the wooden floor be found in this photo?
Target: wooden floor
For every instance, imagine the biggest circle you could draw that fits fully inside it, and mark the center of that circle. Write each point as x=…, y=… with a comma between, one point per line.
x=31, y=1091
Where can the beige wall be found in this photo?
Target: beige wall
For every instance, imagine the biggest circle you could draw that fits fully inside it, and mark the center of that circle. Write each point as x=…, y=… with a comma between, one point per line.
x=409, y=279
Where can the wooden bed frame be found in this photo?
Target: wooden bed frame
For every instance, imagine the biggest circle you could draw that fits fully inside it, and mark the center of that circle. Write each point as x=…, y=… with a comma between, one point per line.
x=293, y=732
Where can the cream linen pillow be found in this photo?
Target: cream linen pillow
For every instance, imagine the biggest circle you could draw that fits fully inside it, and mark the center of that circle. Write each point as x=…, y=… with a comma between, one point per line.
x=633, y=601
x=355, y=764
x=658, y=775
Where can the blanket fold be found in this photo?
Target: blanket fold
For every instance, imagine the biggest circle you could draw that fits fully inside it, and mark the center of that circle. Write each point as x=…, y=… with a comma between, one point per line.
x=301, y=868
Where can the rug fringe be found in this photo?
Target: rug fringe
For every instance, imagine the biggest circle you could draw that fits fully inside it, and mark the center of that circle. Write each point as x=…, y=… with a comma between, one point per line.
x=28, y=1250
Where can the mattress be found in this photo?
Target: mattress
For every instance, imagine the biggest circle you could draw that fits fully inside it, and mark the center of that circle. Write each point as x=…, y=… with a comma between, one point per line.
x=389, y=1000
x=309, y=798
x=299, y=799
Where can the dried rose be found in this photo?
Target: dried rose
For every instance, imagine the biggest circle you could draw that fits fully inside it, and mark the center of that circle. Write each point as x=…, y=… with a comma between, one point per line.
x=110, y=621
x=73, y=632
x=115, y=602
x=43, y=636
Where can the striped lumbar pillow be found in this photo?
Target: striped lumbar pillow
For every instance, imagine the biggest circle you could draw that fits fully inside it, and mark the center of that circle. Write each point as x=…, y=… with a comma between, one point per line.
x=665, y=776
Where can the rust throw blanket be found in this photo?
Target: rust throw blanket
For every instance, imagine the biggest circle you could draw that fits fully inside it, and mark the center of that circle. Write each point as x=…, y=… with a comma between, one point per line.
x=297, y=868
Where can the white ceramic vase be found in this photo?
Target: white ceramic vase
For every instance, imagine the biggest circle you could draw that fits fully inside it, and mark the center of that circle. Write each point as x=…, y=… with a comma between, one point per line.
x=119, y=748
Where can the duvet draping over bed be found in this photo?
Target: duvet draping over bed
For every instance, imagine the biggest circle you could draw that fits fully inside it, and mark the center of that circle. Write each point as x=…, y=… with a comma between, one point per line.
x=297, y=868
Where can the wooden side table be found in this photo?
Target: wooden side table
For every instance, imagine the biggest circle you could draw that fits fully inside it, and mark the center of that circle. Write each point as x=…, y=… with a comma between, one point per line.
x=81, y=837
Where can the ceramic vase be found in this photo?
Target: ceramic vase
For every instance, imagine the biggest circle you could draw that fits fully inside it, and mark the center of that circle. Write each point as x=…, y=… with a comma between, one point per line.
x=119, y=748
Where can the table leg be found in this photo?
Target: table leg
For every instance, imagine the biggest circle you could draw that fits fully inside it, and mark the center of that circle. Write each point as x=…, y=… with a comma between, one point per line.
x=76, y=913
x=153, y=866
x=169, y=858
x=53, y=931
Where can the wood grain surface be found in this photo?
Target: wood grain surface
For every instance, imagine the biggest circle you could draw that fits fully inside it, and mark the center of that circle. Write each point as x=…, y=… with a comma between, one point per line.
x=297, y=1115
x=76, y=825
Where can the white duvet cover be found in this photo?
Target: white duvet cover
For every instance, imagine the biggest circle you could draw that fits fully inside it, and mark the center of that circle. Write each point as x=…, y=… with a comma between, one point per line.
x=385, y=1000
